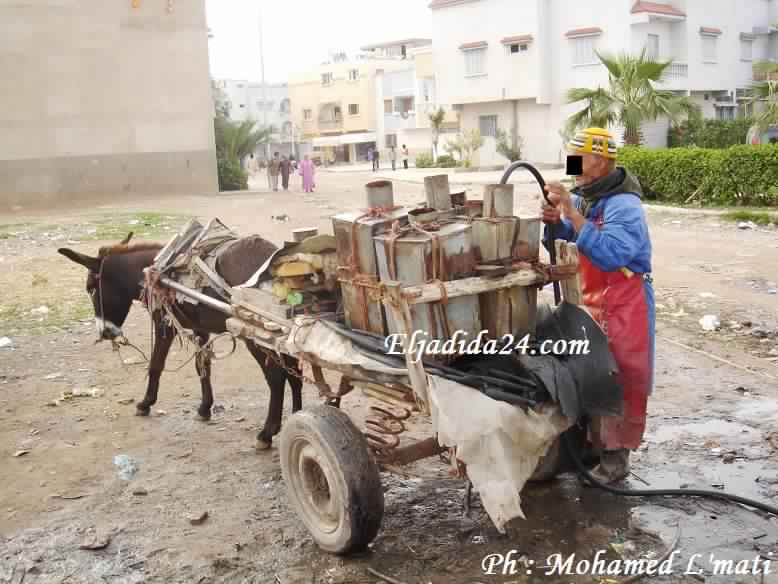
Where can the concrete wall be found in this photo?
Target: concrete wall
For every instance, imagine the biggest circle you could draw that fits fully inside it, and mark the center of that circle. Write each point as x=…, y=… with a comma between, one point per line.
x=102, y=99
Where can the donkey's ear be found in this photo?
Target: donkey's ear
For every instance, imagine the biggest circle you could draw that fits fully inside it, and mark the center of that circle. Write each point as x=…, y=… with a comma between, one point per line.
x=88, y=262
x=127, y=239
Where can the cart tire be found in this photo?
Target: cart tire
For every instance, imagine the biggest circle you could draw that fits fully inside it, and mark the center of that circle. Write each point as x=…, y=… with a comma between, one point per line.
x=331, y=480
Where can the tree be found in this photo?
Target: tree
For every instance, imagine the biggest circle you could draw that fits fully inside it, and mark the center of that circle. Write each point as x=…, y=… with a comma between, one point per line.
x=510, y=148
x=766, y=92
x=235, y=141
x=436, y=123
x=465, y=145
x=630, y=99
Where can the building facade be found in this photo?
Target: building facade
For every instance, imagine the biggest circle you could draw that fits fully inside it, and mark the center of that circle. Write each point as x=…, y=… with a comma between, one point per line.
x=335, y=106
x=406, y=97
x=513, y=71
x=104, y=99
x=267, y=106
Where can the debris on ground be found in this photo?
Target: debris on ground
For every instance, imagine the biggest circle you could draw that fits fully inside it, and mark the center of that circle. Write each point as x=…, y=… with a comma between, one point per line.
x=81, y=392
x=52, y=376
x=710, y=322
x=760, y=333
x=41, y=310
x=198, y=519
x=96, y=542
x=140, y=492
x=126, y=401
x=772, y=440
x=283, y=218
x=746, y=225
x=218, y=409
x=19, y=453
x=128, y=467
x=6, y=342
x=707, y=295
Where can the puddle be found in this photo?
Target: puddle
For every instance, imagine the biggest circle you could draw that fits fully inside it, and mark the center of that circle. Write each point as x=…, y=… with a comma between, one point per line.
x=704, y=430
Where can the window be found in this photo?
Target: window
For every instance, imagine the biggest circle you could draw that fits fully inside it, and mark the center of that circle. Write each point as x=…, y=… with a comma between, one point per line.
x=725, y=113
x=353, y=109
x=353, y=74
x=391, y=141
x=709, y=48
x=518, y=48
x=652, y=46
x=336, y=113
x=487, y=125
x=475, y=62
x=326, y=78
x=584, y=50
x=387, y=106
x=307, y=114
x=746, y=49
x=242, y=105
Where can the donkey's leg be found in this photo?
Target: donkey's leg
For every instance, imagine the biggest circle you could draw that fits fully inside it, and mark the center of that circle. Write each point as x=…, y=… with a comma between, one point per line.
x=203, y=365
x=163, y=338
x=295, y=382
x=276, y=379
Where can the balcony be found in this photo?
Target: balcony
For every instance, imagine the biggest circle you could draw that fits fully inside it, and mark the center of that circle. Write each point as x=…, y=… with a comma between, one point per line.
x=676, y=76
x=397, y=121
x=331, y=125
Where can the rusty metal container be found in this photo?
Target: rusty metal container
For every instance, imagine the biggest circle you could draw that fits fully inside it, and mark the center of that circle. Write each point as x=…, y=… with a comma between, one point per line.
x=357, y=266
x=494, y=238
x=412, y=258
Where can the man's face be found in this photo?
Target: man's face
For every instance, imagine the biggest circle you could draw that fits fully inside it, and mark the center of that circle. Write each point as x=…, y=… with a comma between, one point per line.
x=594, y=168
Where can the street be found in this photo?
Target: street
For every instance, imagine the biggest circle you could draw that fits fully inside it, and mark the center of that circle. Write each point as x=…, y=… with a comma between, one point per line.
x=713, y=421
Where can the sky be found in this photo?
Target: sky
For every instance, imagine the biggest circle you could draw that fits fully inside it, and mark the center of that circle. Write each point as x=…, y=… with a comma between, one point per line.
x=300, y=34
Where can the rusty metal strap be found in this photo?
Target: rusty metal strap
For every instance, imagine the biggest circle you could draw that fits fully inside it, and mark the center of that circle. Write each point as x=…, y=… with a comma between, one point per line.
x=319, y=381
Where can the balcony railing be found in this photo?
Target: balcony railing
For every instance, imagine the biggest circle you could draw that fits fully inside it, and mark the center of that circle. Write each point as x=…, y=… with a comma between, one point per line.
x=326, y=125
x=676, y=71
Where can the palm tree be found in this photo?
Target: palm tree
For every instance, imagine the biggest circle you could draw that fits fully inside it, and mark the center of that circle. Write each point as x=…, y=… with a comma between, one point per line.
x=767, y=92
x=236, y=140
x=436, y=122
x=630, y=99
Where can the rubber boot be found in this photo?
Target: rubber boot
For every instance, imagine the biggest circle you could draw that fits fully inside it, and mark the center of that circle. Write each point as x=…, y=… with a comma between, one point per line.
x=613, y=467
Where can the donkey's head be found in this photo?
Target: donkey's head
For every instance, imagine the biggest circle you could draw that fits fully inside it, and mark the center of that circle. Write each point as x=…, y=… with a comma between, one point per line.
x=112, y=282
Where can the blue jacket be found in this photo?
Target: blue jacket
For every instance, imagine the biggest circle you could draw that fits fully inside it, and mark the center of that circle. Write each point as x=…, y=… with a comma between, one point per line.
x=621, y=241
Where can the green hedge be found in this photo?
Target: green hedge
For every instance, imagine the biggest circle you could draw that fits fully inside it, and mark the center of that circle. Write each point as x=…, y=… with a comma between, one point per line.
x=710, y=133
x=424, y=160
x=740, y=175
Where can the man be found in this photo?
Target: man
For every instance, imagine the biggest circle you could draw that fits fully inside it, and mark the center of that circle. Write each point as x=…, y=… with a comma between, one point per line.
x=376, y=159
x=286, y=168
x=606, y=219
x=393, y=157
x=370, y=157
x=274, y=169
x=405, y=157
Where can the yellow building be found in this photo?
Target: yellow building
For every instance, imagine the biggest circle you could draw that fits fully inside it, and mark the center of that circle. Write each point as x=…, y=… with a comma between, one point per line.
x=335, y=106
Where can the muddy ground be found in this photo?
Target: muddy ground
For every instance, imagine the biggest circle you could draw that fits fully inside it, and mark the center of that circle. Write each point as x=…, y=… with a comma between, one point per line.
x=712, y=423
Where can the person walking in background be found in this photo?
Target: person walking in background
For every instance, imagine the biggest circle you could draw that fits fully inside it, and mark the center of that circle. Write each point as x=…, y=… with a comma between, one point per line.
x=376, y=159
x=393, y=157
x=405, y=157
x=274, y=169
x=252, y=166
x=370, y=157
x=307, y=171
x=286, y=167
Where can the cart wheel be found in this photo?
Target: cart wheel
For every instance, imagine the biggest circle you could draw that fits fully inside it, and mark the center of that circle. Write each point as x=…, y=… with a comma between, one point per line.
x=332, y=482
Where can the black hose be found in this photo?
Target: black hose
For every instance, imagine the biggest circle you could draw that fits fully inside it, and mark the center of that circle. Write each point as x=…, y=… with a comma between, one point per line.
x=584, y=472
x=550, y=238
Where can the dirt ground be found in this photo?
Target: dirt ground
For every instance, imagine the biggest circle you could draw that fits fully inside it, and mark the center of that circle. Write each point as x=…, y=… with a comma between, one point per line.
x=713, y=423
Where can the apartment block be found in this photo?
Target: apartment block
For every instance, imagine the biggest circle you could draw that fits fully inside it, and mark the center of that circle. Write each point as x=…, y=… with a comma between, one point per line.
x=513, y=70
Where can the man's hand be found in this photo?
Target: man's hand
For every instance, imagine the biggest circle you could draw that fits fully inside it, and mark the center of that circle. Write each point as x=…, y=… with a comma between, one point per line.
x=563, y=201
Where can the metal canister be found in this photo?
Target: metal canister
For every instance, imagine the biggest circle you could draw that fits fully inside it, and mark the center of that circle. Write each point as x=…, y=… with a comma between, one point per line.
x=415, y=256
x=357, y=266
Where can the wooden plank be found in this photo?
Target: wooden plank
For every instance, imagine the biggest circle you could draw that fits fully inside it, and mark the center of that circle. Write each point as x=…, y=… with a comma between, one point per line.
x=529, y=238
x=425, y=293
x=438, y=192
x=567, y=254
x=261, y=304
x=396, y=303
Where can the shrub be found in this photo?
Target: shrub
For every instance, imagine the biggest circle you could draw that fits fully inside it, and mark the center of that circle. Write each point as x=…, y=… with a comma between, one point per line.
x=740, y=175
x=710, y=133
x=231, y=176
x=446, y=161
x=424, y=160
x=505, y=145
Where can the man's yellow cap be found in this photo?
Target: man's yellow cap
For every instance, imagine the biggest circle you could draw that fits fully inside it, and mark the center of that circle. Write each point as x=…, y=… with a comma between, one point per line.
x=594, y=141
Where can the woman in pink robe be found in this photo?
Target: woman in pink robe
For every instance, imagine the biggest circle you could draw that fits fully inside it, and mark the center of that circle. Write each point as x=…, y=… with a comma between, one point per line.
x=307, y=171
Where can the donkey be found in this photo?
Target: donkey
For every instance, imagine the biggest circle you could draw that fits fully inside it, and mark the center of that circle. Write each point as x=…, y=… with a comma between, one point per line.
x=115, y=278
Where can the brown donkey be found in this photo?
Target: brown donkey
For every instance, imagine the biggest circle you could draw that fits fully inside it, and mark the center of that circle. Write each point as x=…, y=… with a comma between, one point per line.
x=115, y=279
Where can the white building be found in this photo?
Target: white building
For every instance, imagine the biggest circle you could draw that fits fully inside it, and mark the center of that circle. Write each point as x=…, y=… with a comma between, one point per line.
x=406, y=97
x=515, y=67
x=248, y=101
